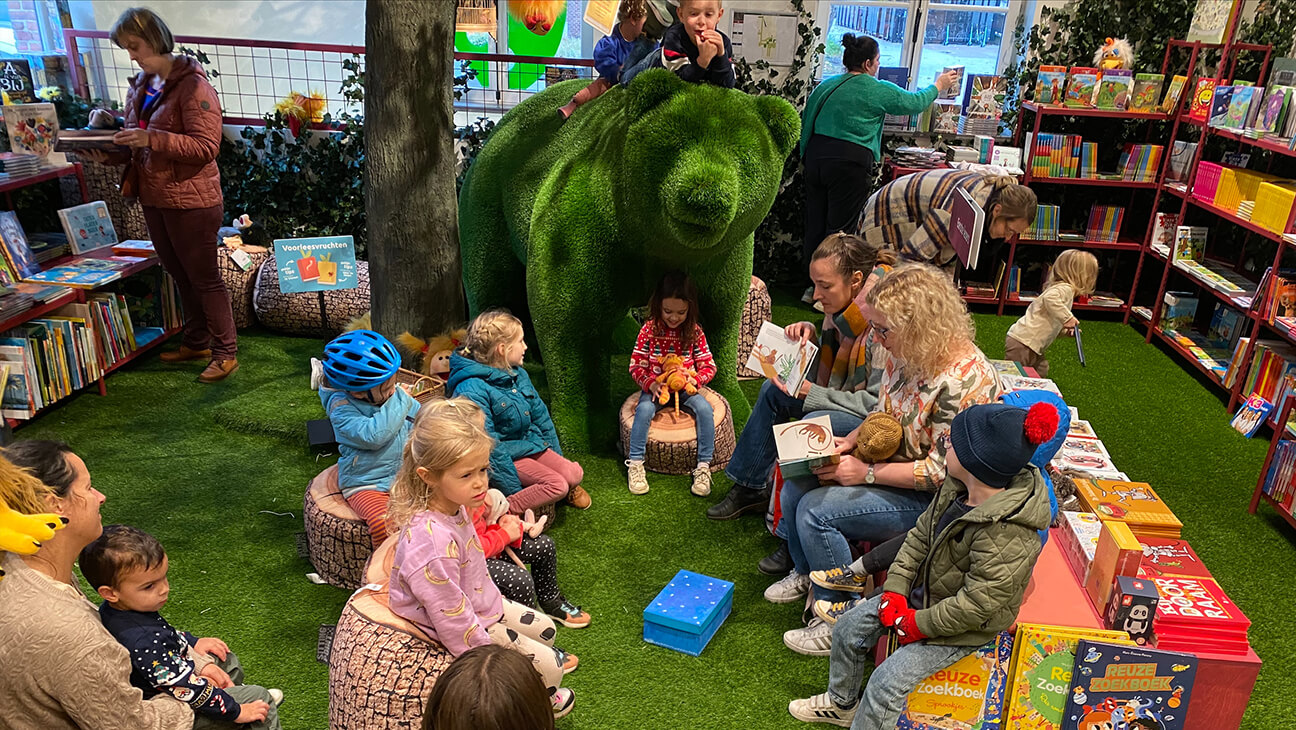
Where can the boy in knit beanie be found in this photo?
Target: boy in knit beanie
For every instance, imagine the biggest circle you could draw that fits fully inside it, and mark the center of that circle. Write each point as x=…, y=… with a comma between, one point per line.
x=959, y=577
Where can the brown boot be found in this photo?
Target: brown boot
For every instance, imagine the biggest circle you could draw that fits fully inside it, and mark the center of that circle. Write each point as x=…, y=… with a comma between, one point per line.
x=185, y=354
x=578, y=497
x=218, y=370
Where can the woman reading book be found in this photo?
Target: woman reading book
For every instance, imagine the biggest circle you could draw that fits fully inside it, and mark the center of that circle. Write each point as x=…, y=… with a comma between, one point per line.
x=173, y=132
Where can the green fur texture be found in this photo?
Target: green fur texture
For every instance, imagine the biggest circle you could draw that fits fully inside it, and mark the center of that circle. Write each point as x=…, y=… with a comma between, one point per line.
x=575, y=222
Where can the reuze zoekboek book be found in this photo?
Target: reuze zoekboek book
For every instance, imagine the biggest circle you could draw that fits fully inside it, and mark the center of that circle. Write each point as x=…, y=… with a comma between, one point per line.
x=1128, y=687
x=1043, y=659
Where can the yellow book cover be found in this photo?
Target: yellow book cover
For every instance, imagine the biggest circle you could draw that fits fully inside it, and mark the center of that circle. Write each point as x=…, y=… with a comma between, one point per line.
x=1043, y=659
x=1134, y=503
x=969, y=694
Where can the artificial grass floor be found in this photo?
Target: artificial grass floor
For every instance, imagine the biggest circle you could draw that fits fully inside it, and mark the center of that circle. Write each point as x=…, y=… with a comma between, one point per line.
x=218, y=472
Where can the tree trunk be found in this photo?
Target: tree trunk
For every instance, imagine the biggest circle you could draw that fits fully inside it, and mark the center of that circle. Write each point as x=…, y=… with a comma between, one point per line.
x=410, y=199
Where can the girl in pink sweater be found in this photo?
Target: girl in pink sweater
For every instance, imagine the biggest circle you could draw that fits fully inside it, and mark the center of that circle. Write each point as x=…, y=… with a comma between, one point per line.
x=672, y=329
x=439, y=580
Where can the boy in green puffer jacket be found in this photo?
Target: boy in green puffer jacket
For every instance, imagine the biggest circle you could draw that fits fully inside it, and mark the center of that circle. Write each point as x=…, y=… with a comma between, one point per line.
x=960, y=576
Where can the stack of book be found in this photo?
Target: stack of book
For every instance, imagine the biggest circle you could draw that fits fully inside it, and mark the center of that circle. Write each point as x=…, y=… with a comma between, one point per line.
x=14, y=164
x=964, y=154
x=1140, y=162
x=1055, y=155
x=1195, y=615
x=85, y=273
x=1201, y=349
x=1280, y=480
x=1087, y=455
x=918, y=157
x=46, y=247
x=1104, y=223
x=13, y=302
x=49, y=359
x=1045, y=227
x=1134, y=503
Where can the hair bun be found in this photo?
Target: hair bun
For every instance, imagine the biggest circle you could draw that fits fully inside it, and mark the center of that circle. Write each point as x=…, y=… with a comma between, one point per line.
x=850, y=39
x=1041, y=423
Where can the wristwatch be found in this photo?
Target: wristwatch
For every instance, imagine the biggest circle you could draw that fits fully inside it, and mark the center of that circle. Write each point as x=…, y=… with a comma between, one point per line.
x=870, y=477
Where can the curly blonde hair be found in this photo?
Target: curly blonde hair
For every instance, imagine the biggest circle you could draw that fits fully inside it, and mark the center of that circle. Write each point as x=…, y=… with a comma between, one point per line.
x=929, y=321
x=487, y=332
x=446, y=431
x=1077, y=268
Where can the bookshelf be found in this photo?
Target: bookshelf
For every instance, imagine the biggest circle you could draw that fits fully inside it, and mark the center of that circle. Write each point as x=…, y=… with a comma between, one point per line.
x=1259, y=495
x=72, y=168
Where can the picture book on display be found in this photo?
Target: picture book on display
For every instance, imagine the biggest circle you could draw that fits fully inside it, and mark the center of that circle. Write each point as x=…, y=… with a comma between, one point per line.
x=1114, y=87
x=32, y=128
x=1210, y=20
x=1050, y=85
x=985, y=96
x=1250, y=415
x=1190, y=243
x=1221, y=97
x=1200, y=104
x=969, y=693
x=804, y=446
x=1242, y=106
x=18, y=255
x=1170, y=103
x=1081, y=84
x=1273, y=110
x=1147, y=92
x=88, y=226
x=1079, y=540
x=967, y=219
x=1042, y=663
x=953, y=91
x=1194, y=614
x=1128, y=687
x=780, y=359
x=1164, y=557
x=1134, y=503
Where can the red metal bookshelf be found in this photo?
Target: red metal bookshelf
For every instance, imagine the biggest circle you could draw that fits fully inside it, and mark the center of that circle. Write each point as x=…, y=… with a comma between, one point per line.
x=1258, y=494
x=1066, y=111
x=72, y=168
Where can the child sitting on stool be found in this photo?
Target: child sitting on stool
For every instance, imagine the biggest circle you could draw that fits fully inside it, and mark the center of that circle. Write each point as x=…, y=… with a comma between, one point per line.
x=371, y=420
x=960, y=576
x=619, y=50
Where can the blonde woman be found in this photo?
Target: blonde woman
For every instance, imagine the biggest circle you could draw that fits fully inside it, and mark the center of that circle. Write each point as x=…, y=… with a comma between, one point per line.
x=934, y=371
x=911, y=215
x=527, y=464
x=1074, y=274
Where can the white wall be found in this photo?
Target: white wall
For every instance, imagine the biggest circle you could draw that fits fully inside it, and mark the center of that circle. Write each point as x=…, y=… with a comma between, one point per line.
x=317, y=21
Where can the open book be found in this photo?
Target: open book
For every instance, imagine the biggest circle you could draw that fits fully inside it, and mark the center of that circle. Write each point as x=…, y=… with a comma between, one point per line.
x=780, y=359
x=804, y=446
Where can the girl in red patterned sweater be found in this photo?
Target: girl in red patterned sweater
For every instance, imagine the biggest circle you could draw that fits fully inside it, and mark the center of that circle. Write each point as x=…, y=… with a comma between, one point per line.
x=672, y=329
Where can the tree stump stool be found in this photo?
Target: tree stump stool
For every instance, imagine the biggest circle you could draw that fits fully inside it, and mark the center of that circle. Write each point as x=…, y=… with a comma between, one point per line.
x=337, y=539
x=756, y=311
x=672, y=443
x=382, y=667
x=240, y=284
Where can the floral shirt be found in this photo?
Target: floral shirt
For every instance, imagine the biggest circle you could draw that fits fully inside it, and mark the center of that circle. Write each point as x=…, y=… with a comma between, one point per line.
x=926, y=408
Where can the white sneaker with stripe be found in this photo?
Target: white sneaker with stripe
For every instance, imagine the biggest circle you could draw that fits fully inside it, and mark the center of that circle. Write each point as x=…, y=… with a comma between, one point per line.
x=821, y=708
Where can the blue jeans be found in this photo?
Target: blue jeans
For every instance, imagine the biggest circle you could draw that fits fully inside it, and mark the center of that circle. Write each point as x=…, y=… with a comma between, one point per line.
x=754, y=456
x=648, y=408
x=853, y=636
x=820, y=522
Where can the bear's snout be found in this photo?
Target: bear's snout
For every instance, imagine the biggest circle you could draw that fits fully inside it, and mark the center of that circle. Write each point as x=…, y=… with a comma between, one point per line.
x=702, y=192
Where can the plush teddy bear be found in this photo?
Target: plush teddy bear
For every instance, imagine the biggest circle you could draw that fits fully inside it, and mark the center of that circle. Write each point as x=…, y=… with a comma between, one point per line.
x=878, y=438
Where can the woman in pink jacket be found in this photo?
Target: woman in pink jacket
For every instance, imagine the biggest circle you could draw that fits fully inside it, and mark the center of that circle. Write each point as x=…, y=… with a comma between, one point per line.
x=173, y=132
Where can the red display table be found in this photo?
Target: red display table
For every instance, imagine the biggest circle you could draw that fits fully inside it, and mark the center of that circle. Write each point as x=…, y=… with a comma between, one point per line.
x=891, y=171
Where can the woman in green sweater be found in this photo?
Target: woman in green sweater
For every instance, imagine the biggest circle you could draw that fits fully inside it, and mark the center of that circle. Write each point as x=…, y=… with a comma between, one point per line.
x=841, y=135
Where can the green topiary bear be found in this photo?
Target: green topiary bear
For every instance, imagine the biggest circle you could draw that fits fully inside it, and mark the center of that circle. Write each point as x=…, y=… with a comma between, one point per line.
x=576, y=222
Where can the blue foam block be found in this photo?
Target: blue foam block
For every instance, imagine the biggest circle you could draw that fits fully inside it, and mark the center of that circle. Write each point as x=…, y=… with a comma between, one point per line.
x=688, y=612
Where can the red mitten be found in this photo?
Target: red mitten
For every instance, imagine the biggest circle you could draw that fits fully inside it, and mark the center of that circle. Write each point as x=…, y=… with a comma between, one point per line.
x=907, y=628
x=891, y=608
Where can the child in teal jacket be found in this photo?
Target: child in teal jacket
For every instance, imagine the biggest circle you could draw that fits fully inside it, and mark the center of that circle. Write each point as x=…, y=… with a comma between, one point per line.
x=527, y=464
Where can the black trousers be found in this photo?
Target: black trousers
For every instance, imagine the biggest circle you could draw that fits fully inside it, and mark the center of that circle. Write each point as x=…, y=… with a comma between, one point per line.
x=838, y=181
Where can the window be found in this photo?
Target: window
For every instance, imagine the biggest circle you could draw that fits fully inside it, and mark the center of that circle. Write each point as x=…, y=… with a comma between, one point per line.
x=927, y=35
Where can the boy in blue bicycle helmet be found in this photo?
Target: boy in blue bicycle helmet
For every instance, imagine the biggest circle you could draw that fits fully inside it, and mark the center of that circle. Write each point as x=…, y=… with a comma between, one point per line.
x=371, y=420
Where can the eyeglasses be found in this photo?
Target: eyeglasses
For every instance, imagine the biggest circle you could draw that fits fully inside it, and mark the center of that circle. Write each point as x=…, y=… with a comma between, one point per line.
x=882, y=332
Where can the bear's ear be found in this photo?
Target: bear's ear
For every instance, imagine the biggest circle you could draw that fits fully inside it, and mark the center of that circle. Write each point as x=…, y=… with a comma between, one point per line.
x=782, y=120
x=648, y=89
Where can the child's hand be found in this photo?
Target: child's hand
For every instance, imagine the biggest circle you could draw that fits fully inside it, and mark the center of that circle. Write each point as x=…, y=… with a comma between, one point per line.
x=255, y=711
x=1069, y=327
x=512, y=527
x=217, y=676
x=655, y=390
x=706, y=50
x=212, y=646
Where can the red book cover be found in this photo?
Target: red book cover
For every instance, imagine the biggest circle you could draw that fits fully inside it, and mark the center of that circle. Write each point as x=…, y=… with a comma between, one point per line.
x=1163, y=557
x=1199, y=106
x=308, y=268
x=1197, y=604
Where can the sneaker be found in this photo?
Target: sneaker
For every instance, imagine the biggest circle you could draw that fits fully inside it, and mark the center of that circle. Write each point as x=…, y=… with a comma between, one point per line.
x=578, y=497
x=562, y=699
x=739, y=501
x=791, y=589
x=638, y=479
x=813, y=640
x=842, y=579
x=807, y=296
x=830, y=611
x=569, y=661
x=276, y=696
x=317, y=373
x=778, y=562
x=567, y=614
x=701, y=480
x=821, y=708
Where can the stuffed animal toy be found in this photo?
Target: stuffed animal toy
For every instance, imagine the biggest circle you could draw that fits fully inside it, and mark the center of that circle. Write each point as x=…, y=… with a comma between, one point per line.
x=675, y=378
x=497, y=506
x=1114, y=53
x=433, y=355
x=23, y=534
x=878, y=438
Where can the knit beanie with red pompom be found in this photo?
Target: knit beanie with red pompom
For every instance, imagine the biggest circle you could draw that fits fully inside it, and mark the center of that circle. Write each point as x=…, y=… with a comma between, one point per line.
x=994, y=442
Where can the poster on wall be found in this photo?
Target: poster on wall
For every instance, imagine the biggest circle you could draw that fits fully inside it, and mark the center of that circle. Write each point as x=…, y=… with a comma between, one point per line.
x=764, y=37
x=326, y=263
x=16, y=80
x=601, y=15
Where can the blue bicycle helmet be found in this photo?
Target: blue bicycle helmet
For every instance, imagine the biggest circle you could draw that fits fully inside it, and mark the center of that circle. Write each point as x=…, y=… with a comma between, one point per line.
x=359, y=360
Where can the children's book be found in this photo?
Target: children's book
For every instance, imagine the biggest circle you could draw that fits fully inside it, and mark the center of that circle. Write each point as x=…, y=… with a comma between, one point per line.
x=1220, y=100
x=1199, y=106
x=1190, y=243
x=1081, y=428
x=1253, y=412
x=1079, y=540
x=1241, y=106
x=75, y=276
x=1170, y=102
x=954, y=91
x=1210, y=20
x=1134, y=503
x=1165, y=557
x=33, y=128
x=1043, y=660
x=1011, y=383
x=1050, y=83
x=88, y=226
x=17, y=401
x=780, y=359
x=325, y=263
x=1081, y=83
x=948, y=115
x=985, y=96
x=1194, y=614
x=135, y=248
x=1113, y=90
x=1128, y=687
x=1147, y=92
x=19, y=255
x=804, y=446
x=1163, y=232
x=969, y=693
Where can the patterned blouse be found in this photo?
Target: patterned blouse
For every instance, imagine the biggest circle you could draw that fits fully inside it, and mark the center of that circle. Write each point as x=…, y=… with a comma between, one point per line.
x=927, y=407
